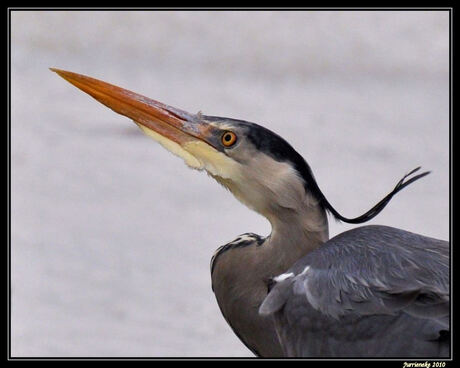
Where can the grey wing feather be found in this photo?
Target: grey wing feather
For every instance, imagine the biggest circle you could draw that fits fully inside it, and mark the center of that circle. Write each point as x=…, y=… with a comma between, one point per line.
x=366, y=272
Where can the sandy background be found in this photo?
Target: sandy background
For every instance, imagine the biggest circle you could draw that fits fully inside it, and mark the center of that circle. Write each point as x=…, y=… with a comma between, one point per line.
x=111, y=235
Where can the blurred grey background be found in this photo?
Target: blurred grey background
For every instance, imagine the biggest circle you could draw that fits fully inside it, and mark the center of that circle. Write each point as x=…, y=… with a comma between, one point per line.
x=111, y=235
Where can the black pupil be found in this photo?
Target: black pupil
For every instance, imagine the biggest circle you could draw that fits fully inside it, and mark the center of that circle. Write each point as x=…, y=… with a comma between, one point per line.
x=228, y=137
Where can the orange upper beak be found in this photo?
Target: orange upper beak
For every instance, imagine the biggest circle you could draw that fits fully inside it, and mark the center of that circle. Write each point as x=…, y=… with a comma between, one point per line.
x=174, y=124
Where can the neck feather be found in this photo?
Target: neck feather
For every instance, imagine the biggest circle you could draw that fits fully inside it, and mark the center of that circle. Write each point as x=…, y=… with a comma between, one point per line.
x=297, y=232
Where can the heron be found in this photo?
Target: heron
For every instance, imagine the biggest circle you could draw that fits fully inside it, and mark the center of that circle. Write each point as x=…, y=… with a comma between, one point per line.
x=372, y=291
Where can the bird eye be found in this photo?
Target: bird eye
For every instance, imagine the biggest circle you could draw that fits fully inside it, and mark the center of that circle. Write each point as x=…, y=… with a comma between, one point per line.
x=228, y=139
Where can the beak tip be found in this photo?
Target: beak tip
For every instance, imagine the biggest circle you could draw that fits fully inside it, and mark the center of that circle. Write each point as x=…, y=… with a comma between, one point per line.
x=60, y=72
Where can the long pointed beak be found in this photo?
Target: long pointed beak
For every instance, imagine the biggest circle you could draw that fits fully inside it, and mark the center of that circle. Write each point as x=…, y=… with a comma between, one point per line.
x=174, y=124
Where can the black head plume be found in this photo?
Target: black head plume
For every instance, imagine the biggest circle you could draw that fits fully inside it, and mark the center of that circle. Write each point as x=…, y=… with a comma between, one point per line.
x=275, y=146
x=374, y=211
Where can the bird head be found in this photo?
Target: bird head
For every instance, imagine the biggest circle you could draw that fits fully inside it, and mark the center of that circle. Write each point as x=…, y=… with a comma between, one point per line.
x=259, y=167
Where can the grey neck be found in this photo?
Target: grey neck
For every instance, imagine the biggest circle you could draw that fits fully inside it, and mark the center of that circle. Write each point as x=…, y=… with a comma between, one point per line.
x=296, y=233
x=241, y=274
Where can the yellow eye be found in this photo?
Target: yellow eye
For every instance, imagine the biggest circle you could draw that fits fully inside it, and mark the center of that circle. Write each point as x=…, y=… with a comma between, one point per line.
x=228, y=139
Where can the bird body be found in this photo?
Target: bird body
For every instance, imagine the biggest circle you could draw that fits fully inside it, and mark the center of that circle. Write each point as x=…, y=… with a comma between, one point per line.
x=368, y=292
x=373, y=291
